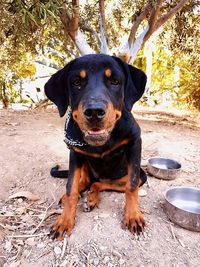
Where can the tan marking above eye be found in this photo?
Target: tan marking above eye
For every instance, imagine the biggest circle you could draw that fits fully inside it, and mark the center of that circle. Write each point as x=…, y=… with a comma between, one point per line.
x=108, y=73
x=83, y=74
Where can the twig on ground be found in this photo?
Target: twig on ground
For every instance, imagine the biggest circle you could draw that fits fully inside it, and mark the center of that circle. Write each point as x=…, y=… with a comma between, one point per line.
x=43, y=254
x=43, y=218
x=148, y=184
x=3, y=226
x=29, y=253
x=64, y=247
x=27, y=236
x=181, y=243
x=172, y=231
x=95, y=249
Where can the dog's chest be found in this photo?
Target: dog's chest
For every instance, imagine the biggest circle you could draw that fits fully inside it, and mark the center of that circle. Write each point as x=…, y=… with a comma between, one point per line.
x=111, y=166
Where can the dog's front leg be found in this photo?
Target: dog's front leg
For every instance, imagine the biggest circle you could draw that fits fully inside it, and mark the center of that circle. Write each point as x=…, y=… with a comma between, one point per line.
x=65, y=221
x=133, y=218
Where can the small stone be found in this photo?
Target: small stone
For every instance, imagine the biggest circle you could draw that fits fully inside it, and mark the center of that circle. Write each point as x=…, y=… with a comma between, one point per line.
x=96, y=262
x=103, y=248
x=121, y=261
x=142, y=193
x=40, y=245
x=20, y=200
x=104, y=215
x=114, y=215
x=57, y=250
x=8, y=246
x=106, y=260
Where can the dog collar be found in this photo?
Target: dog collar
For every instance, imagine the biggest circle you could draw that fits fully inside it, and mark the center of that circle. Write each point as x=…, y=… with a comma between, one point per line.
x=68, y=139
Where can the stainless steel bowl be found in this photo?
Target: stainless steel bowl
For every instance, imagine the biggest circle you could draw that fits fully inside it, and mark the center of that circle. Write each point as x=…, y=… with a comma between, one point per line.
x=182, y=206
x=163, y=168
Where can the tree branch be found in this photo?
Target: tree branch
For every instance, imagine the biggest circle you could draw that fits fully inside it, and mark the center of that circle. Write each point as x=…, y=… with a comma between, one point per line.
x=86, y=27
x=136, y=46
x=170, y=14
x=104, y=46
x=71, y=27
x=70, y=24
x=154, y=14
x=137, y=22
x=153, y=17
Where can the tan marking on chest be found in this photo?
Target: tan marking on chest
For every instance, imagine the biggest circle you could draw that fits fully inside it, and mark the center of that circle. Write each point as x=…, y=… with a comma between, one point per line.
x=107, y=152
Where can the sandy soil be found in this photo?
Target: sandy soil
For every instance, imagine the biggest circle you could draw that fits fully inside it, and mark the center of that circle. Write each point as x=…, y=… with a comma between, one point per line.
x=32, y=142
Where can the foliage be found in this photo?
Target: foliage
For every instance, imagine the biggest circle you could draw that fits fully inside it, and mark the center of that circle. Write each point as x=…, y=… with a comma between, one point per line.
x=30, y=28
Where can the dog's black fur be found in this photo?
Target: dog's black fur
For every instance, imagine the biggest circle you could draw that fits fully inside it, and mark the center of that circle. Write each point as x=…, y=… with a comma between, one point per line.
x=111, y=145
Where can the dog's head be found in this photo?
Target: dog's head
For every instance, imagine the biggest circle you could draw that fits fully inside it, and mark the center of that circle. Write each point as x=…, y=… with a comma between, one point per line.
x=97, y=87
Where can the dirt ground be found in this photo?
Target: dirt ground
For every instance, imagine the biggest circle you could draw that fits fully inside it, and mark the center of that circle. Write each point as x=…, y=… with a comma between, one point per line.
x=31, y=142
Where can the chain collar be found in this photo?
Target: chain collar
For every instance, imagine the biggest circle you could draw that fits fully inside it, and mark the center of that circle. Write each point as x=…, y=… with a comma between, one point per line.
x=68, y=140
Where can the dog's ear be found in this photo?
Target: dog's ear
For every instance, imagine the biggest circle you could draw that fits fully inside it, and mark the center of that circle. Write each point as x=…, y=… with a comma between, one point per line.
x=135, y=83
x=56, y=89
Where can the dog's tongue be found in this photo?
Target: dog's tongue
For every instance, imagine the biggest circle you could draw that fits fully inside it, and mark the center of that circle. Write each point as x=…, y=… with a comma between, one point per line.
x=96, y=131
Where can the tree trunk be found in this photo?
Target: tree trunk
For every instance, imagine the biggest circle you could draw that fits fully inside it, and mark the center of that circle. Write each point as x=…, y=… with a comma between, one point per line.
x=5, y=99
x=20, y=91
x=149, y=61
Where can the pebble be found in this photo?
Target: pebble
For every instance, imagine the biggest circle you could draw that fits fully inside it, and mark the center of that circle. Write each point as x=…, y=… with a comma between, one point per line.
x=57, y=250
x=8, y=246
x=121, y=261
x=96, y=262
x=142, y=193
x=106, y=260
x=104, y=215
x=103, y=248
x=40, y=245
x=20, y=200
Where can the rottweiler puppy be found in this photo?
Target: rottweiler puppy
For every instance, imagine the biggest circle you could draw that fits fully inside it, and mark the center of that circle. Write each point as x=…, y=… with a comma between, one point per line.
x=98, y=92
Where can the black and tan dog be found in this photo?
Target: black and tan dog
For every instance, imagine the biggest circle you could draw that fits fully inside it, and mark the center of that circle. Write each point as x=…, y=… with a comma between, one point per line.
x=103, y=137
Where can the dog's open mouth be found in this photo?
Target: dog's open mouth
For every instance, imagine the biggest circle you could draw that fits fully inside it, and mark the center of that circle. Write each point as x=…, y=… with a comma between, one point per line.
x=96, y=136
x=96, y=131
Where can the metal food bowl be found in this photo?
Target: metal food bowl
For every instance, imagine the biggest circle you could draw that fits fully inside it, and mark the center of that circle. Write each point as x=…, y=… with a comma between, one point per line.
x=163, y=168
x=182, y=206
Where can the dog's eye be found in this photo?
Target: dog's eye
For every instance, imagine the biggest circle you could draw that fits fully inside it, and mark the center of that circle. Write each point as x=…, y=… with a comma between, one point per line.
x=77, y=82
x=114, y=82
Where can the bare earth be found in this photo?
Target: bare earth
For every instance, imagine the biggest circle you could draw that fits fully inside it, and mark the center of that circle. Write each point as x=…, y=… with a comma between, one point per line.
x=32, y=142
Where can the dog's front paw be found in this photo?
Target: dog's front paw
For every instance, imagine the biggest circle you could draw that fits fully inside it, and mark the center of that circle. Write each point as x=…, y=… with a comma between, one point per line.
x=92, y=200
x=134, y=221
x=64, y=224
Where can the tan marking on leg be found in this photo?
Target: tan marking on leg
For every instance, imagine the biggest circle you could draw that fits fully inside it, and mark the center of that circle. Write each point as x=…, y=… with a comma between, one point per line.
x=65, y=221
x=133, y=218
x=97, y=187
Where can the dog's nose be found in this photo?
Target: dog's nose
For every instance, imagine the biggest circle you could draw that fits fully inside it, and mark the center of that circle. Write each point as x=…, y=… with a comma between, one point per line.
x=93, y=114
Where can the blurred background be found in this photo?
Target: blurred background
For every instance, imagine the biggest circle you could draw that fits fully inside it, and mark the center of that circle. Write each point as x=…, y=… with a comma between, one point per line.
x=159, y=36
